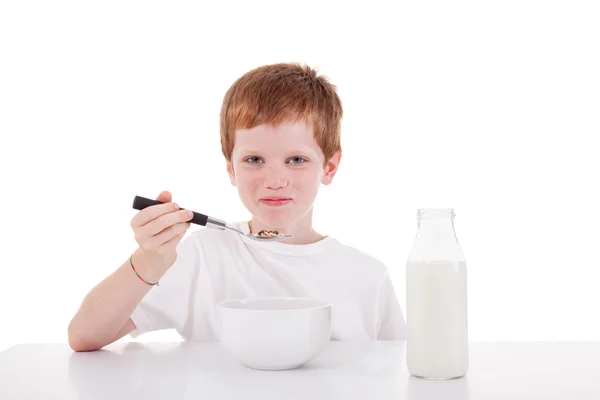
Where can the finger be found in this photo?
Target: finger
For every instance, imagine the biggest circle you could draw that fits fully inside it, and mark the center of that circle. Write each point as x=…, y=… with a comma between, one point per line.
x=170, y=233
x=174, y=241
x=157, y=226
x=151, y=213
x=165, y=197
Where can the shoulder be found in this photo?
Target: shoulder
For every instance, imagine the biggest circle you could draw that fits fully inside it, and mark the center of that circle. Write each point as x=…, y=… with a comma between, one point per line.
x=362, y=260
x=195, y=248
x=197, y=242
x=206, y=237
x=210, y=241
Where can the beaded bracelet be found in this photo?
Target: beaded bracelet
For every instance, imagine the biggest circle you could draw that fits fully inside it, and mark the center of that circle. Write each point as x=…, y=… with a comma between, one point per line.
x=143, y=280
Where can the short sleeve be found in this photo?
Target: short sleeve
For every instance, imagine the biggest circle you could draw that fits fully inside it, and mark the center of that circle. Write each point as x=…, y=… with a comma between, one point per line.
x=391, y=319
x=167, y=305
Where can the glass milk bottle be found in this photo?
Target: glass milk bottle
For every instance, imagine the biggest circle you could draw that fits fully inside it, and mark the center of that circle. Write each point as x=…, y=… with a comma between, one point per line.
x=436, y=299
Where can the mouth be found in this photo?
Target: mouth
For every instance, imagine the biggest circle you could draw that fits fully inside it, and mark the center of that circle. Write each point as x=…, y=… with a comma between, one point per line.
x=275, y=201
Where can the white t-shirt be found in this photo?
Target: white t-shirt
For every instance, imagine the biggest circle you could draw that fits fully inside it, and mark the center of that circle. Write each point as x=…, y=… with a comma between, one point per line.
x=214, y=265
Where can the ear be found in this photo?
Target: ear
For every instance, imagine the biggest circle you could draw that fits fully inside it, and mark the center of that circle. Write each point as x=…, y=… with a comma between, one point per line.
x=331, y=168
x=231, y=173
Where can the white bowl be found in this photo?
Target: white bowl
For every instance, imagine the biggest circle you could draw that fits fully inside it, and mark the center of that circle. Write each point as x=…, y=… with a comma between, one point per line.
x=274, y=333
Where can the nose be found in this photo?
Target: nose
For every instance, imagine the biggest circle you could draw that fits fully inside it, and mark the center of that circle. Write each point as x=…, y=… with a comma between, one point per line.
x=275, y=177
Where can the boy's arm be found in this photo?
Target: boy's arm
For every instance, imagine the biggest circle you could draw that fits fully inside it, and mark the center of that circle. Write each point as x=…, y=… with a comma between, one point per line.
x=125, y=330
x=104, y=314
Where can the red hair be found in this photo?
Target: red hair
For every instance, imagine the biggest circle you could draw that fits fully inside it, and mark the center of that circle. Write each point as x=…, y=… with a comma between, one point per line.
x=284, y=92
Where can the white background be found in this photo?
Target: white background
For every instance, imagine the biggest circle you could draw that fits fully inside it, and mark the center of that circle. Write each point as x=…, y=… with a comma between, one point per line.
x=490, y=108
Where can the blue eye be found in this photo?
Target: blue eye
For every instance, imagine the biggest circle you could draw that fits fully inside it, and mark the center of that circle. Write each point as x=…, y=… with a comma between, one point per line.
x=253, y=160
x=297, y=160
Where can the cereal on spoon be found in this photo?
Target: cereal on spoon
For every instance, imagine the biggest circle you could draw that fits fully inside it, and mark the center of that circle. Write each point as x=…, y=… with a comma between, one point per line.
x=269, y=234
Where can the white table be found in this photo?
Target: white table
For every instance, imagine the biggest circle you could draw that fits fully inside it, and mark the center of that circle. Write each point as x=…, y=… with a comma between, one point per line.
x=344, y=371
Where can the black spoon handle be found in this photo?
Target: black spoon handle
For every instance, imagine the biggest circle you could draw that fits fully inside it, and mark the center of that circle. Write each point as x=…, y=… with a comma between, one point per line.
x=139, y=203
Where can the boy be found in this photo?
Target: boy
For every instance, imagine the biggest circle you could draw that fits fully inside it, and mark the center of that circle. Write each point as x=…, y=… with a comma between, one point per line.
x=280, y=135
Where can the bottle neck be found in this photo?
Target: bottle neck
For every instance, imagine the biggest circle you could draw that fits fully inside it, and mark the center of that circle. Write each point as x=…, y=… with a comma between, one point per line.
x=436, y=238
x=437, y=221
x=437, y=228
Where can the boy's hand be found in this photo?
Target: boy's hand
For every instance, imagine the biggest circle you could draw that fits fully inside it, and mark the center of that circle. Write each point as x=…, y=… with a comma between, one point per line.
x=159, y=229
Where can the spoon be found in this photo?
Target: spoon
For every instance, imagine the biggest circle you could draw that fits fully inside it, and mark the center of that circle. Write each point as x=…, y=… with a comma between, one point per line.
x=139, y=203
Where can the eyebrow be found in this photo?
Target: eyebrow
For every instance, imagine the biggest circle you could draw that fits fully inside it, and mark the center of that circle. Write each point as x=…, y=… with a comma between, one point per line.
x=304, y=151
x=253, y=151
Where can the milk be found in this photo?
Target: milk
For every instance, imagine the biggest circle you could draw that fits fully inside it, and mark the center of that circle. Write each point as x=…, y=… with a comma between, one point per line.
x=436, y=315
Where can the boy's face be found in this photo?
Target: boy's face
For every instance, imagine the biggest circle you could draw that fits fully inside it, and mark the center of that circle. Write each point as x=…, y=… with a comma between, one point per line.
x=278, y=170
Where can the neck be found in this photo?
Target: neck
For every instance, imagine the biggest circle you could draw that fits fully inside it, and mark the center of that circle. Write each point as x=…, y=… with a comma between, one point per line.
x=301, y=231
